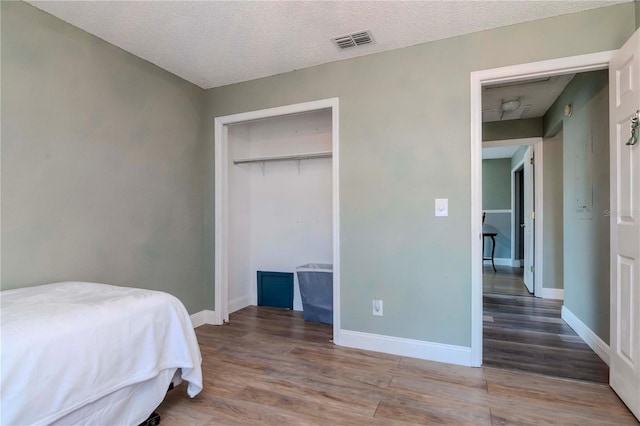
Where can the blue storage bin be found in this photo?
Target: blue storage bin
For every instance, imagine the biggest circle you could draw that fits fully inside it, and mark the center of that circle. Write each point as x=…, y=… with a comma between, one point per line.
x=275, y=289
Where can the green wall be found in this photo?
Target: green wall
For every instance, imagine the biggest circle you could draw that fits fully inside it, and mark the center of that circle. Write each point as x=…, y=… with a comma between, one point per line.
x=553, y=227
x=512, y=129
x=579, y=92
x=404, y=141
x=102, y=170
x=585, y=164
x=496, y=184
x=105, y=158
x=518, y=156
x=496, y=195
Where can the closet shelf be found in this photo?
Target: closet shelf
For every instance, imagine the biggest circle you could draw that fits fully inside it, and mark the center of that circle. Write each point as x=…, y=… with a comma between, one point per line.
x=289, y=157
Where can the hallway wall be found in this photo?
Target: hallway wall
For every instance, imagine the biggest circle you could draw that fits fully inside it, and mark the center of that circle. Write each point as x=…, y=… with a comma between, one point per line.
x=585, y=164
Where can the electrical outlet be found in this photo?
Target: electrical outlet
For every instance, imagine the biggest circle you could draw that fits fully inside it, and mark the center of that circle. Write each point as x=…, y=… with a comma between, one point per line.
x=377, y=307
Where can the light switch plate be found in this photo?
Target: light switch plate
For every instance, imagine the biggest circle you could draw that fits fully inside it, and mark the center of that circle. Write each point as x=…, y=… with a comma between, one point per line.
x=378, y=307
x=442, y=207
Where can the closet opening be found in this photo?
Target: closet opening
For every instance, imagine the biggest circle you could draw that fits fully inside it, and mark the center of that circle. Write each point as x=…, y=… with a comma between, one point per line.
x=276, y=210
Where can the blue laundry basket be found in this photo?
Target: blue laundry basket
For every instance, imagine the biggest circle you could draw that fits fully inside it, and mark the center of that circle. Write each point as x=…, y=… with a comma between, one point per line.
x=316, y=291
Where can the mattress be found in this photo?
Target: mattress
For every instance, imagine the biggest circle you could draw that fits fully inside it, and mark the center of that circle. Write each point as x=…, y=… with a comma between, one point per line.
x=68, y=345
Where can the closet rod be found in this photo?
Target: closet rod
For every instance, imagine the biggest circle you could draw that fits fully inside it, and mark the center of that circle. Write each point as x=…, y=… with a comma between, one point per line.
x=324, y=154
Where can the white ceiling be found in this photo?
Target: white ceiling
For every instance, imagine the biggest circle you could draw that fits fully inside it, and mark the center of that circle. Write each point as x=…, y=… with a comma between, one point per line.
x=496, y=152
x=215, y=43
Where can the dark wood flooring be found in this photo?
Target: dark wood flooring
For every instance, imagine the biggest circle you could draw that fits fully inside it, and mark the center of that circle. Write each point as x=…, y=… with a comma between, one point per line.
x=526, y=333
x=270, y=367
x=506, y=281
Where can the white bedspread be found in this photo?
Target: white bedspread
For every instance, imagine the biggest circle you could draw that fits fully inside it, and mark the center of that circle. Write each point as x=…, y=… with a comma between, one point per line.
x=67, y=344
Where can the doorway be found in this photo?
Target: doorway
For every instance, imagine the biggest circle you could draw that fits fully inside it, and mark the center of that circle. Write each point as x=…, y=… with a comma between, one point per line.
x=511, y=74
x=504, y=195
x=515, y=326
x=505, y=157
x=222, y=213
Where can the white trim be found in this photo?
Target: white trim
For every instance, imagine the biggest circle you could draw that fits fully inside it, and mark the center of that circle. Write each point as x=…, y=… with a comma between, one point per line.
x=431, y=351
x=239, y=303
x=581, y=63
x=335, y=147
x=552, y=293
x=515, y=263
x=500, y=261
x=590, y=338
x=497, y=211
x=203, y=317
x=476, y=220
x=538, y=227
x=221, y=213
x=220, y=219
x=510, y=142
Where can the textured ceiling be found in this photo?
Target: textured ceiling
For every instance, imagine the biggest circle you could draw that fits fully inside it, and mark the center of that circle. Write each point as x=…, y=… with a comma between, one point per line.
x=535, y=96
x=215, y=43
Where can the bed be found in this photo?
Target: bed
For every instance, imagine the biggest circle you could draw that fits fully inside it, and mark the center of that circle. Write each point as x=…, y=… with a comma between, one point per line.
x=87, y=353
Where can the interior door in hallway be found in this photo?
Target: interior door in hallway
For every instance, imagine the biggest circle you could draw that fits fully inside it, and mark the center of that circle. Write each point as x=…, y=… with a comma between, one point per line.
x=624, y=104
x=528, y=219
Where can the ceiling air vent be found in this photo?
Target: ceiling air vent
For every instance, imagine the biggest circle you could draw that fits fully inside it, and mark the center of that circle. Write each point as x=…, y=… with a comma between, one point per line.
x=352, y=40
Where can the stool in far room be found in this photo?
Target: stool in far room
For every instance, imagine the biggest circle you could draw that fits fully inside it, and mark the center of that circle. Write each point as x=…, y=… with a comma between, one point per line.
x=491, y=235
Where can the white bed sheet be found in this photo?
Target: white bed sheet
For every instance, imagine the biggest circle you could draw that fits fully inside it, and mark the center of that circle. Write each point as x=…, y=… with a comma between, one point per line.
x=130, y=405
x=66, y=345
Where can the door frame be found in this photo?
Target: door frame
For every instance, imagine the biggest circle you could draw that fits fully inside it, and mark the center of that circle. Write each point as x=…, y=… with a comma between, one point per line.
x=538, y=199
x=221, y=214
x=573, y=64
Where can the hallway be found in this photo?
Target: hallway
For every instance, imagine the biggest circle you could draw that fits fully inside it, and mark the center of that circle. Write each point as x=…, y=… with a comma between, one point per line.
x=526, y=333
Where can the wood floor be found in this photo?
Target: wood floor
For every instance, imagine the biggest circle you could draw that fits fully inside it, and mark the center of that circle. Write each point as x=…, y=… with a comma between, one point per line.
x=527, y=333
x=270, y=367
x=506, y=281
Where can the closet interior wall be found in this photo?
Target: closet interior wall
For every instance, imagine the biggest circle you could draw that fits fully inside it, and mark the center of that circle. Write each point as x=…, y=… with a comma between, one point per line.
x=280, y=213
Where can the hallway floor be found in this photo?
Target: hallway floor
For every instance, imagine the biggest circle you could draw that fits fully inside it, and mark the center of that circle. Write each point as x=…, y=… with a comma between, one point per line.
x=526, y=333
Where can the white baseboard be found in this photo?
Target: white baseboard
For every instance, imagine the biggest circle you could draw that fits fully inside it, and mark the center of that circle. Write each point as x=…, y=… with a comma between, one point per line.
x=499, y=261
x=431, y=351
x=516, y=263
x=203, y=317
x=552, y=293
x=590, y=338
x=239, y=303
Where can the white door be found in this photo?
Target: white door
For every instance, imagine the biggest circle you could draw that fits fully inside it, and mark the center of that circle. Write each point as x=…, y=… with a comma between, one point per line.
x=624, y=101
x=528, y=219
